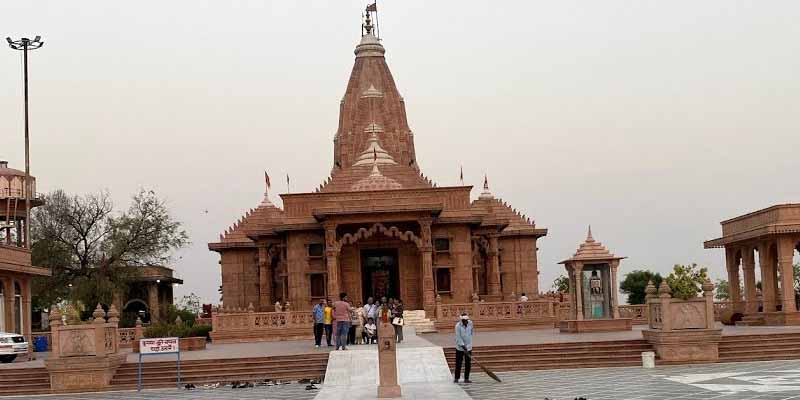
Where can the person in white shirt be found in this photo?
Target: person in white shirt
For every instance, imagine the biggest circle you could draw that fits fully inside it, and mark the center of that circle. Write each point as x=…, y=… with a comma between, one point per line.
x=371, y=309
x=370, y=330
x=523, y=297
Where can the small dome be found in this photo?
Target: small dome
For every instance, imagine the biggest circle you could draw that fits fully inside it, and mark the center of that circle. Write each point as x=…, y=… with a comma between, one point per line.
x=375, y=181
x=374, y=153
x=6, y=171
x=370, y=46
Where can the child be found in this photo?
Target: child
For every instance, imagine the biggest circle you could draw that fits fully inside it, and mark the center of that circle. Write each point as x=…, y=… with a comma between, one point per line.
x=370, y=331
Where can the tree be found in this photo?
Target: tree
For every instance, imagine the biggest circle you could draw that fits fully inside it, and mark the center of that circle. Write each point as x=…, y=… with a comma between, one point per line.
x=92, y=250
x=686, y=280
x=191, y=303
x=635, y=283
x=722, y=292
x=561, y=284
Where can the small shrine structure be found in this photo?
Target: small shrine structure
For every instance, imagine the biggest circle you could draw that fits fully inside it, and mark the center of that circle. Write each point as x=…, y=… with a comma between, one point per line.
x=592, y=273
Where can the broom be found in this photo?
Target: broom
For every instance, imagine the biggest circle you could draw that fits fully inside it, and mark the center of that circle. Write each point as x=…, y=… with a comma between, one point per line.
x=488, y=372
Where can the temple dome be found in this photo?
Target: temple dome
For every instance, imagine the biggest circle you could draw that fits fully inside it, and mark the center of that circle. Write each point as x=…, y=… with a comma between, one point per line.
x=375, y=181
x=374, y=153
x=592, y=250
x=369, y=46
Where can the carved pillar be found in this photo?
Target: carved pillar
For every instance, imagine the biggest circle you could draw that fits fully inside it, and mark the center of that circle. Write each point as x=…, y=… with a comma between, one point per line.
x=264, y=278
x=26, y=311
x=8, y=293
x=614, y=305
x=493, y=274
x=749, y=269
x=785, y=254
x=152, y=302
x=332, y=260
x=732, y=265
x=577, y=269
x=768, y=278
x=426, y=254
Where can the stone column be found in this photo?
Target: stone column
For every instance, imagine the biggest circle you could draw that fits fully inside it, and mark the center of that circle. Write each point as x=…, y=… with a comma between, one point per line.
x=152, y=302
x=8, y=308
x=767, y=277
x=614, y=305
x=573, y=310
x=25, y=284
x=426, y=254
x=264, y=278
x=749, y=269
x=785, y=255
x=332, y=260
x=493, y=274
x=578, y=271
x=732, y=265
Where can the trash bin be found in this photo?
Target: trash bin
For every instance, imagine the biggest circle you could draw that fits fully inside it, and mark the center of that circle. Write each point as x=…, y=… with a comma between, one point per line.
x=648, y=359
x=39, y=343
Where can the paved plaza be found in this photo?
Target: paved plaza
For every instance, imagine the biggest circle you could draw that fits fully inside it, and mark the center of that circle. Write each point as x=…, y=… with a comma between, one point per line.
x=769, y=380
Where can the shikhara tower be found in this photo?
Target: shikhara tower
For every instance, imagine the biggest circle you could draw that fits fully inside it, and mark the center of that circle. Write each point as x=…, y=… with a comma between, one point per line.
x=377, y=226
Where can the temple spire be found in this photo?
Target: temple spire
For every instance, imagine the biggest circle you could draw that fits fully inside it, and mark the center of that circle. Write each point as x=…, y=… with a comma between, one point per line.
x=267, y=186
x=589, y=237
x=486, y=194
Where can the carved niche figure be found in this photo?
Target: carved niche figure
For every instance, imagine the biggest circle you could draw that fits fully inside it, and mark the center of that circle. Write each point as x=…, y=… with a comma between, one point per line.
x=597, y=299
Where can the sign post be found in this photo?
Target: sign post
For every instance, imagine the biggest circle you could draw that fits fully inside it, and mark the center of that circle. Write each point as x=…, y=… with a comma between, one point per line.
x=158, y=346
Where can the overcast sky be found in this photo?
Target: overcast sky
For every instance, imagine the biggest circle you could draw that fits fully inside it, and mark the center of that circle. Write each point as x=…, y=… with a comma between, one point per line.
x=650, y=120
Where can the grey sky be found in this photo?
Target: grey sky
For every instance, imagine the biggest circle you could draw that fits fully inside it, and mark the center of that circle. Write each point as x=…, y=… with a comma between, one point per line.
x=651, y=120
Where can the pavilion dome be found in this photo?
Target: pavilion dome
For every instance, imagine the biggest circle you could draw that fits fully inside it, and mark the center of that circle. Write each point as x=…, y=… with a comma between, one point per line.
x=591, y=250
x=375, y=181
x=374, y=153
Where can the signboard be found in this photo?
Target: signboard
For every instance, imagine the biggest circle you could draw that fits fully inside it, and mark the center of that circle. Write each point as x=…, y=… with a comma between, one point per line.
x=158, y=345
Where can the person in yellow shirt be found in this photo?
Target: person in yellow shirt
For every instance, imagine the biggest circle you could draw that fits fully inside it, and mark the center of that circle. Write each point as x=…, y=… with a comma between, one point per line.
x=328, y=321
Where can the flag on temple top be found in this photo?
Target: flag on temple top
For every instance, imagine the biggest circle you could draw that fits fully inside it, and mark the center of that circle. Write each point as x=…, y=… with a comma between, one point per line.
x=266, y=179
x=373, y=7
x=461, y=176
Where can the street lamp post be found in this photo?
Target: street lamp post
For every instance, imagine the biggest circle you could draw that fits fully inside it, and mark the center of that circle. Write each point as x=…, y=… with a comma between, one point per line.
x=24, y=45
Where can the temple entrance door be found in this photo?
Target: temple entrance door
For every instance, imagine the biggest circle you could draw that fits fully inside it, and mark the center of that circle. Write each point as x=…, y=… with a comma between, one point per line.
x=380, y=274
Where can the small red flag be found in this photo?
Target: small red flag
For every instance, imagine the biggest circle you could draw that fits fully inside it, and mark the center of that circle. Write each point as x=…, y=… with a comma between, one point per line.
x=266, y=179
x=372, y=7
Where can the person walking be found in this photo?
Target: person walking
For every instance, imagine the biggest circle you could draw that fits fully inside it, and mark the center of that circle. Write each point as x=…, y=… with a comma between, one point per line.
x=397, y=320
x=319, y=321
x=464, y=333
x=328, y=321
x=341, y=314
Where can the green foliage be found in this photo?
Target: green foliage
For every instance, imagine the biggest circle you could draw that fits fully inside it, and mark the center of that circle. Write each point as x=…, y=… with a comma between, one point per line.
x=635, y=283
x=686, y=280
x=561, y=284
x=173, y=312
x=191, y=302
x=162, y=329
x=722, y=292
x=96, y=250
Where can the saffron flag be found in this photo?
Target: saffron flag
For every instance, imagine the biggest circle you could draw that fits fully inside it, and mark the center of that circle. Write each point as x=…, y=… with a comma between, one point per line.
x=373, y=7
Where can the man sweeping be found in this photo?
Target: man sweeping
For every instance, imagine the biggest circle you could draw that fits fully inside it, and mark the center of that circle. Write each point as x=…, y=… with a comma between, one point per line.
x=463, y=347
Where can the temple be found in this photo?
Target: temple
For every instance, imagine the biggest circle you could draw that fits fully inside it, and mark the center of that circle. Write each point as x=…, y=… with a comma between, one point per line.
x=377, y=226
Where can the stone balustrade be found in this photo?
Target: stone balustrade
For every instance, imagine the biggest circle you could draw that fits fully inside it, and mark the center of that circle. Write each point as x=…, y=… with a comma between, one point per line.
x=682, y=330
x=84, y=356
x=248, y=326
x=498, y=315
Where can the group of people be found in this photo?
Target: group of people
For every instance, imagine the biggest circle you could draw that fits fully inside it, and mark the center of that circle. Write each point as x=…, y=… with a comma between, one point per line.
x=343, y=324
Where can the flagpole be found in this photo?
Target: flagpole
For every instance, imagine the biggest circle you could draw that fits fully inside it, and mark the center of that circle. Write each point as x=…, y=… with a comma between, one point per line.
x=377, y=25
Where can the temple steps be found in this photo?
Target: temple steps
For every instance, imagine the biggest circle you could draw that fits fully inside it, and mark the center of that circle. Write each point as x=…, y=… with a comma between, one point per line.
x=164, y=374
x=780, y=346
x=557, y=355
x=417, y=320
x=24, y=381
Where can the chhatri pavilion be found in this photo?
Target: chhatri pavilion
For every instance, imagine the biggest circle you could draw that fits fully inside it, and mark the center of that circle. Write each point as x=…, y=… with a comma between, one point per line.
x=377, y=226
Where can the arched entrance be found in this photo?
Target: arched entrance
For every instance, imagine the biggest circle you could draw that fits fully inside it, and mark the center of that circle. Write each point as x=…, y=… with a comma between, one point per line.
x=135, y=308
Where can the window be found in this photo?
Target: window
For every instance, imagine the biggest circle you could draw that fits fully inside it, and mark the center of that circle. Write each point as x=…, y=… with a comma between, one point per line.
x=316, y=250
x=441, y=244
x=443, y=280
x=317, y=285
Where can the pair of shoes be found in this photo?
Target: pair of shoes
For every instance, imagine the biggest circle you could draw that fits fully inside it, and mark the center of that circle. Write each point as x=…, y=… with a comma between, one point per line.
x=467, y=381
x=311, y=387
x=316, y=346
x=455, y=380
x=344, y=348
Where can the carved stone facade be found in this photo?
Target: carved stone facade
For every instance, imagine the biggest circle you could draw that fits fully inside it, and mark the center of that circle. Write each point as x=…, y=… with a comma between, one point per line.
x=772, y=234
x=377, y=225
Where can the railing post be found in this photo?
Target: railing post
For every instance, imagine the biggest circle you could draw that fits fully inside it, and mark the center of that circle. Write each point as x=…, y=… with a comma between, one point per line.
x=55, y=324
x=665, y=298
x=708, y=295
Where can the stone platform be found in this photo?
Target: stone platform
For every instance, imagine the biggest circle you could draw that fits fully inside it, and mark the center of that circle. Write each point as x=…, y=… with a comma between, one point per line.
x=595, y=325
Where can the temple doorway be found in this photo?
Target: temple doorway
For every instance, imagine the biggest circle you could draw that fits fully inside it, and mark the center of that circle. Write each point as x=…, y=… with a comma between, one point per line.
x=380, y=273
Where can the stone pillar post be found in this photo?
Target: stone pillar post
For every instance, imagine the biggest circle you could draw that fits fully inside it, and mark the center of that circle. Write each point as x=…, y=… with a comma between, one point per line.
x=26, y=313
x=732, y=265
x=55, y=324
x=573, y=310
x=749, y=269
x=264, y=278
x=99, y=331
x=614, y=305
x=785, y=255
x=578, y=271
x=332, y=260
x=9, y=293
x=152, y=302
x=767, y=277
x=388, y=387
x=493, y=274
x=708, y=295
x=426, y=252
x=665, y=298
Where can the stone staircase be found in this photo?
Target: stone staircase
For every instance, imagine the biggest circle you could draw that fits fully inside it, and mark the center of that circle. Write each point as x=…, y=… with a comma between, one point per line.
x=782, y=346
x=416, y=319
x=557, y=355
x=24, y=381
x=163, y=374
